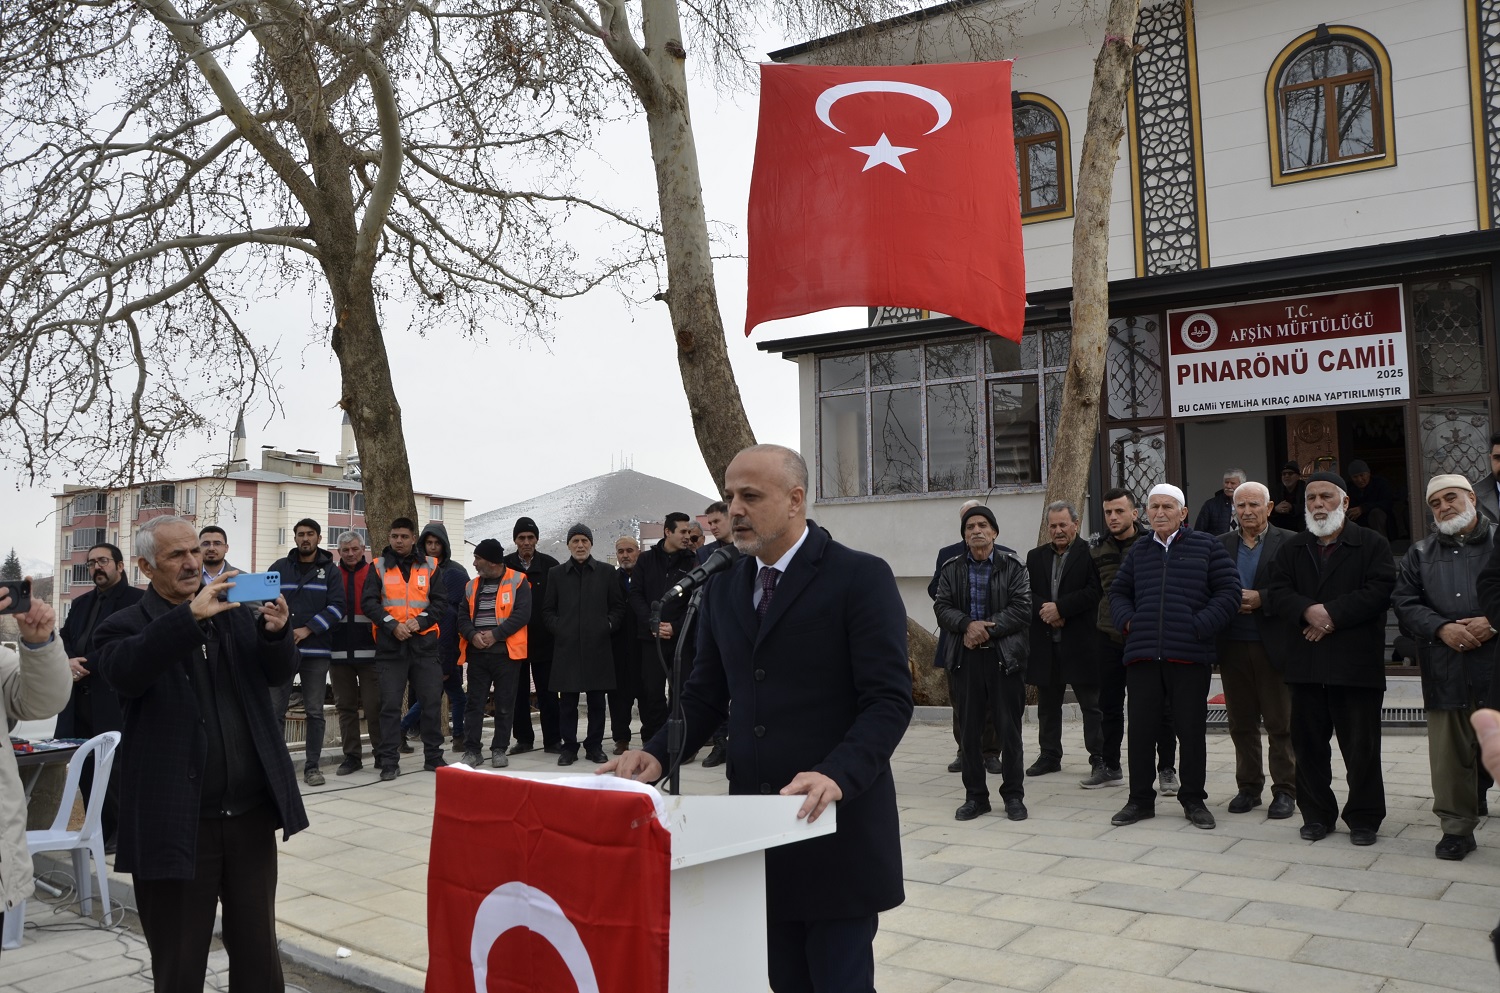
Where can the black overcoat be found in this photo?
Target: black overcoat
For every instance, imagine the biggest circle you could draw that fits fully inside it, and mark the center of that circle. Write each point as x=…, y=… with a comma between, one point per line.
x=1275, y=632
x=103, y=707
x=1355, y=587
x=1075, y=659
x=144, y=654
x=583, y=608
x=822, y=685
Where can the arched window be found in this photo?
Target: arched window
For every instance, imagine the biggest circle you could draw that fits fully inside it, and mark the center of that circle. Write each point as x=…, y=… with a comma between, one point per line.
x=1329, y=103
x=1042, y=158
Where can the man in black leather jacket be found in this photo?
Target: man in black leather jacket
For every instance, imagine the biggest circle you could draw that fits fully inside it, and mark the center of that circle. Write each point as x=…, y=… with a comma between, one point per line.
x=987, y=651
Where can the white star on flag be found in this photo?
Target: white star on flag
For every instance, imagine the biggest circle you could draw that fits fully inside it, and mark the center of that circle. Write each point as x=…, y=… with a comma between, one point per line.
x=882, y=153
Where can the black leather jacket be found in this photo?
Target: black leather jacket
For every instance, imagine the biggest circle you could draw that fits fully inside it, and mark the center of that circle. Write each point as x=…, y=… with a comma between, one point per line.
x=1009, y=606
x=1437, y=583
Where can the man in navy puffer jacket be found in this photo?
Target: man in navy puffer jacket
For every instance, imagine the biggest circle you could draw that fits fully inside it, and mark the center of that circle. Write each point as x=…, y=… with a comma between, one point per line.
x=1172, y=597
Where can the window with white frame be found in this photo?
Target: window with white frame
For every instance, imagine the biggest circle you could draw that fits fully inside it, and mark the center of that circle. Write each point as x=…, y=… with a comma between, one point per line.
x=189, y=501
x=338, y=501
x=359, y=502
x=86, y=538
x=946, y=416
x=437, y=510
x=80, y=574
x=158, y=495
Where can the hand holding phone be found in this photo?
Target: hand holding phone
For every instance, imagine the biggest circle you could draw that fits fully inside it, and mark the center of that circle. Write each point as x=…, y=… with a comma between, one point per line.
x=15, y=596
x=255, y=587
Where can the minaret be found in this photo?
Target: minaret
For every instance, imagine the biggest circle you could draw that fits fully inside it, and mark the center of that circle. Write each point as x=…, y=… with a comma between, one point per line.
x=348, y=451
x=238, y=446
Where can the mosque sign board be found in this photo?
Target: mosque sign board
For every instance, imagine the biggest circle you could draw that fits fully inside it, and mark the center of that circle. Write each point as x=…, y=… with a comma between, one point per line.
x=1314, y=350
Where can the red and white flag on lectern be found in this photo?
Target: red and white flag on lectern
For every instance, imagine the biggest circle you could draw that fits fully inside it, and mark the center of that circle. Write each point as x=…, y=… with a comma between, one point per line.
x=539, y=886
x=887, y=186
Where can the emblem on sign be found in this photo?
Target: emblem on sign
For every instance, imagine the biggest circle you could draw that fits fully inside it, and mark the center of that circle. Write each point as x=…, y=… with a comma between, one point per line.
x=1199, y=331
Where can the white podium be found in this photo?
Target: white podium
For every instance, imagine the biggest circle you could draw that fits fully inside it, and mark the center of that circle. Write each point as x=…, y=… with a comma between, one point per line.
x=718, y=932
x=719, y=886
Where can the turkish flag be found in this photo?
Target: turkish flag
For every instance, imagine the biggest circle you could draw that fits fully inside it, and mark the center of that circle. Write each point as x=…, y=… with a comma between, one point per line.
x=887, y=186
x=540, y=886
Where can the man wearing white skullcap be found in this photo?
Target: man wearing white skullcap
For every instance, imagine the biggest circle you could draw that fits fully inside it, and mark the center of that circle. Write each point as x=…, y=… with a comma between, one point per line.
x=1175, y=592
x=1437, y=603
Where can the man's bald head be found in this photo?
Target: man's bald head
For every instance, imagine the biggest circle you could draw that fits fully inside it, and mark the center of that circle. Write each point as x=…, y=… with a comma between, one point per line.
x=792, y=464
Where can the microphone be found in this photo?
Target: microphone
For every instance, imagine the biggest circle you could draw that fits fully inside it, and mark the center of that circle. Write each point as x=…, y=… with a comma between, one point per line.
x=721, y=559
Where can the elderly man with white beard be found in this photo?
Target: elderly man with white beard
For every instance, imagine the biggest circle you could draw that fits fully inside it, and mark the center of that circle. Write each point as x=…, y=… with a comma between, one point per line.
x=1332, y=583
x=1437, y=603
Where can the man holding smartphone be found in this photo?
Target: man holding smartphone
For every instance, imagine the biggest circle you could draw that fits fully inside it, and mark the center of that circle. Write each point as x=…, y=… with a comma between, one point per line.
x=205, y=779
x=33, y=686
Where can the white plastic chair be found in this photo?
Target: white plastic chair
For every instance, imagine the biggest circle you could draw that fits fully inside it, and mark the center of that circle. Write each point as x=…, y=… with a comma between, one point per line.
x=86, y=841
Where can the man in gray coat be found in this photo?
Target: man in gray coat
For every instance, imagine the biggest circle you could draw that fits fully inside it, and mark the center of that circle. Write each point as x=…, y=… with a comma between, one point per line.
x=1437, y=603
x=1250, y=661
x=583, y=606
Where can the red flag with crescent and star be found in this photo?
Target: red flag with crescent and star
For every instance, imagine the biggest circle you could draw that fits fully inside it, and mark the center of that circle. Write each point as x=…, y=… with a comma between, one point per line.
x=887, y=186
x=560, y=885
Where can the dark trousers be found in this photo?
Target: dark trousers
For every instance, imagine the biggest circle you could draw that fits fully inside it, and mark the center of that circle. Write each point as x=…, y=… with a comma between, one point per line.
x=426, y=678
x=1001, y=698
x=1112, y=713
x=653, y=688
x=83, y=727
x=1319, y=712
x=314, y=676
x=488, y=671
x=453, y=689
x=568, y=714
x=356, y=687
x=1049, y=702
x=989, y=741
x=1152, y=685
x=627, y=690
x=836, y=956
x=539, y=671
x=235, y=868
x=1254, y=691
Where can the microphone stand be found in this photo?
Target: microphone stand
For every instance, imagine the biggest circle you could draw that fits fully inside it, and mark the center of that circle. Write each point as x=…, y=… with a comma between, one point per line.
x=677, y=722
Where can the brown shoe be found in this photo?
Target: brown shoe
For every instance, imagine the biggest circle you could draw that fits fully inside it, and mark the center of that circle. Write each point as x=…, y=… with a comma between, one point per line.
x=621, y=747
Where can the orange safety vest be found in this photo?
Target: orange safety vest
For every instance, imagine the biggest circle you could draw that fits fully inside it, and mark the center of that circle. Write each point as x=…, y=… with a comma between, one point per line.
x=406, y=598
x=505, y=601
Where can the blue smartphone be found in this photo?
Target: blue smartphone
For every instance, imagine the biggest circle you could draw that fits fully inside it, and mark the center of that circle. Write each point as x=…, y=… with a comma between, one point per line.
x=255, y=587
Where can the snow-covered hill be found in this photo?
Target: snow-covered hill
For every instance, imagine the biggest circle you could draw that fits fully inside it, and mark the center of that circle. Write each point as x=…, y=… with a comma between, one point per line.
x=611, y=505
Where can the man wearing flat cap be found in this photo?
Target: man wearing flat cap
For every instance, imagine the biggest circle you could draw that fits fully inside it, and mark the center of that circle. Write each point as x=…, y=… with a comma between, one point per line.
x=1175, y=593
x=1332, y=585
x=583, y=607
x=1437, y=603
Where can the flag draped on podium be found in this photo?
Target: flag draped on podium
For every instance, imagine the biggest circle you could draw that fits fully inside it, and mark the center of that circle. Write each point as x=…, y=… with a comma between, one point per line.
x=887, y=186
x=538, y=886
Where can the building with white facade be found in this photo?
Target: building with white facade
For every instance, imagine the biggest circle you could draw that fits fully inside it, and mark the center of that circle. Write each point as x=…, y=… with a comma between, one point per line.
x=257, y=508
x=1322, y=176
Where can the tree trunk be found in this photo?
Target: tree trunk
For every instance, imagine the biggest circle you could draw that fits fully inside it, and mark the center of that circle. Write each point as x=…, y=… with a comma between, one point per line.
x=369, y=397
x=713, y=396
x=1078, y=427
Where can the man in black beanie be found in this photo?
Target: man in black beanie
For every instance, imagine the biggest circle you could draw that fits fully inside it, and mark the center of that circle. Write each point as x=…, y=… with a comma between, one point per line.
x=493, y=635
x=984, y=603
x=583, y=607
x=535, y=566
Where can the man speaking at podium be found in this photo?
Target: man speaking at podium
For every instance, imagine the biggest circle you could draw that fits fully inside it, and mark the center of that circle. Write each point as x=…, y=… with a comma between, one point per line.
x=802, y=645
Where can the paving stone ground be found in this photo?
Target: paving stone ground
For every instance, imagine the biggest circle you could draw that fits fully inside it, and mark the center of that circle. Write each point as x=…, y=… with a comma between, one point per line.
x=1061, y=902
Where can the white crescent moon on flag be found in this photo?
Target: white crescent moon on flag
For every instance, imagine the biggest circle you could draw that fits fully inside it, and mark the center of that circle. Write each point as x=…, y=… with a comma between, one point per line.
x=515, y=904
x=834, y=94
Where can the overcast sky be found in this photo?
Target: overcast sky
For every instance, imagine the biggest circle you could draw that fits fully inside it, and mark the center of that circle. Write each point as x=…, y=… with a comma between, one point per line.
x=608, y=380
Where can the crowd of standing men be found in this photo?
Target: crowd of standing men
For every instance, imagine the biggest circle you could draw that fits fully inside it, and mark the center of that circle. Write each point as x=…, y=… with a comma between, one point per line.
x=1294, y=618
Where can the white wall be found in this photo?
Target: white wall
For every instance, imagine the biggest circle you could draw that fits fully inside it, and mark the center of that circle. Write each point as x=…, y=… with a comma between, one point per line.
x=1430, y=191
